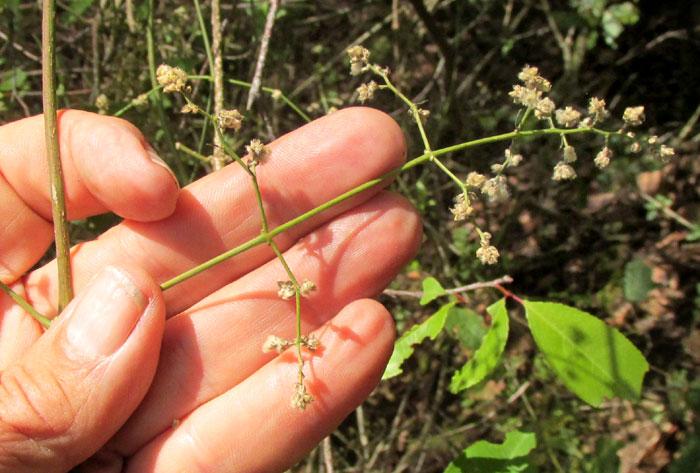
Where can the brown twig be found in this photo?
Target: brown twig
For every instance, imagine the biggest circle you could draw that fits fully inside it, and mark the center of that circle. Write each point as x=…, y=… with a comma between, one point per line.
x=131, y=23
x=457, y=290
x=219, y=160
x=264, y=43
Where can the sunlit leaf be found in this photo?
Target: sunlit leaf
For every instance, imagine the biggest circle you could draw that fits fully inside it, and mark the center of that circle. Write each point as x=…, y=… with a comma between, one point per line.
x=487, y=457
x=593, y=359
x=432, y=289
x=403, y=348
x=489, y=353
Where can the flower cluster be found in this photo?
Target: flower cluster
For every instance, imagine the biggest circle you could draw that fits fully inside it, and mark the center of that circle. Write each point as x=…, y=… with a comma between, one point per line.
x=487, y=254
x=563, y=172
x=229, y=119
x=173, y=79
x=530, y=94
x=301, y=397
x=602, y=159
x=287, y=291
x=496, y=189
x=420, y=114
x=633, y=116
x=462, y=208
x=278, y=344
x=567, y=117
x=189, y=107
x=366, y=91
x=359, y=58
x=257, y=151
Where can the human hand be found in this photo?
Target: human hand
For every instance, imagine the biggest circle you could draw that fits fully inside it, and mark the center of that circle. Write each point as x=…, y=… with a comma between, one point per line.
x=61, y=404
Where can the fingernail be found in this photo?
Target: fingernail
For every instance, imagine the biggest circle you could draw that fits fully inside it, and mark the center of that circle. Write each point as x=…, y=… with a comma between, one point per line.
x=159, y=161
x=106, y=313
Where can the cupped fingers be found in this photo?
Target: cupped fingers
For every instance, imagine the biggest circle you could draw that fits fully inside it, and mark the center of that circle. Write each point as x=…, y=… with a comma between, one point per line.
x=254, y=428
x=107, y=166
x=24, y=236
x=217, y=344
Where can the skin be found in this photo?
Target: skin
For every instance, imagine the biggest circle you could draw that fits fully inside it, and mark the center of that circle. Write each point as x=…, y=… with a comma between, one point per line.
x=194, y=353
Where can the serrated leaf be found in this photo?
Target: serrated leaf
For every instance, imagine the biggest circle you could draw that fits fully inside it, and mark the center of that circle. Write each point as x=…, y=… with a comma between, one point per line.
x=432, y=289
x=489, y=353
x=487, y=457
x=403, y=348
x=637, y=281
x=594, y=360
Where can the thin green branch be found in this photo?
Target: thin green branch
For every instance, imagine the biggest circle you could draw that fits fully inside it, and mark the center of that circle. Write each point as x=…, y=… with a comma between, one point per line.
x=45, y=322
x=135, y=102
x=275, y=93
x=180, y=147
x=362, y=187
x=156, y=96
x=297, y=301
x=58, y=201
x=205, y=36
x=669, y=212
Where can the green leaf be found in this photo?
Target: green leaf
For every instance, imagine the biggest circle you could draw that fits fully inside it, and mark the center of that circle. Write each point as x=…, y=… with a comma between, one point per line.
x=432, y=289
x=625, y=12
x=637, y=280
x=403, y=348
x=15, y=79
x=79, y=6
x=594, y=360
x=466, y=326
x=489, y=353
x=486, y=457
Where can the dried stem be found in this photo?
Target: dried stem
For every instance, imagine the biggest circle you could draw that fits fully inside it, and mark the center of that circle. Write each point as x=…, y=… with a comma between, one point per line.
x=133, y=27
x=457, y=290
x=58, y=201
x=260, y=65
x=218, y=75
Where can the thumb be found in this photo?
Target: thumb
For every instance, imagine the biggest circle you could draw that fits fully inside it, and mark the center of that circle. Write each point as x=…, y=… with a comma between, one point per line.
x=83, y=378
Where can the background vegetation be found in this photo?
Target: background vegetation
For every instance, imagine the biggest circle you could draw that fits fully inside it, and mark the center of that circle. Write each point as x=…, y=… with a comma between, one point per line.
x=587, y=242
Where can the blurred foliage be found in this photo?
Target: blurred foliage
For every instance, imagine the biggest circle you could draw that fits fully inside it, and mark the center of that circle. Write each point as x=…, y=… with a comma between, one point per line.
x=567, y=241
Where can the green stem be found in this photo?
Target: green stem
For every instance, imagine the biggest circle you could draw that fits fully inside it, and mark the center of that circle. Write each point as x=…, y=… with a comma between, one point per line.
x=132, y=104
x=449, y=173
x=180, y=147
x=58, y=200
x=297, y=300
x=156, y=97
x=269, y=90
x=407, y=101
x=25, y=305
x=362, y=187
x=670, y=213
x=205, y=37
